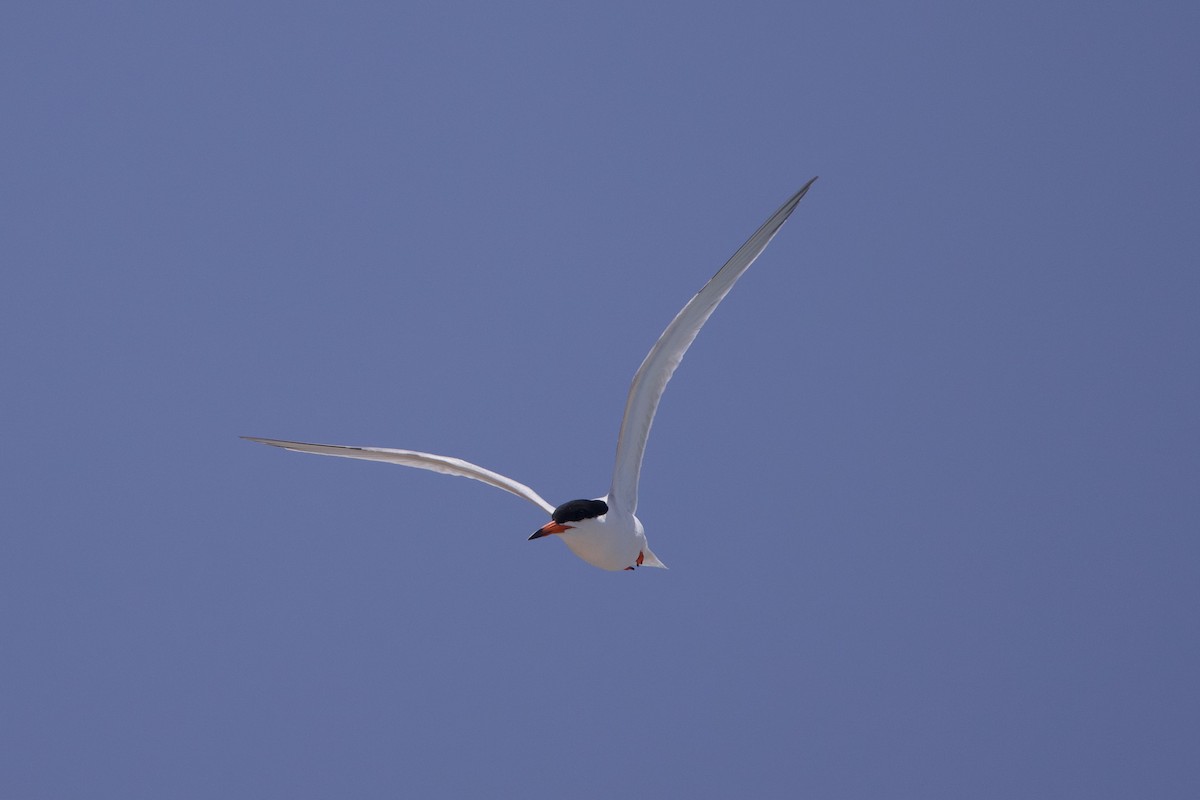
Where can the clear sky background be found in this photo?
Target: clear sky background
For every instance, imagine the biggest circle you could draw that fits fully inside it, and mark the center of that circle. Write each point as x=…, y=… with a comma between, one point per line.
x=927, y=482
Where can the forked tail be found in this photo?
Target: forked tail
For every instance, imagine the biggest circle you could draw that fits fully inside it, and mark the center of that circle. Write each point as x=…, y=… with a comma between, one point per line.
x=650, y=560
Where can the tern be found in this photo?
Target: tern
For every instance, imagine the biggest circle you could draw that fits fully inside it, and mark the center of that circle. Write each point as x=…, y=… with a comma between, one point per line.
x=605, y=531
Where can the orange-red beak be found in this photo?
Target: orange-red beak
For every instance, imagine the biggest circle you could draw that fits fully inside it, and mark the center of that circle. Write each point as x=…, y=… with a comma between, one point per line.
x=547, y=529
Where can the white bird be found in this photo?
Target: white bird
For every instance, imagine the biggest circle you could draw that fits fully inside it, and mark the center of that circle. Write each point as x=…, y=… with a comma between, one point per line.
x=605, y=532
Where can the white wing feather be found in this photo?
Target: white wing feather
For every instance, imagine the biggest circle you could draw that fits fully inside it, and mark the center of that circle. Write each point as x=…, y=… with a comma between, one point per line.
x=652, y=377
x=411, y=458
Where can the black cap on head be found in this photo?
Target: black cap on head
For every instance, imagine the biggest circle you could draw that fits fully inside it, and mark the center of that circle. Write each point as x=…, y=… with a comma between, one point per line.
x=575, y=510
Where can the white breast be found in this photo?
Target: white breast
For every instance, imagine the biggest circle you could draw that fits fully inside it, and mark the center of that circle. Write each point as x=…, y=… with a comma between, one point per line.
x=606, y=544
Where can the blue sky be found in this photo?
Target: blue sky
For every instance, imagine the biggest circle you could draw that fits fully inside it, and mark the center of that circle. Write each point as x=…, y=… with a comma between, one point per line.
x=927, y=481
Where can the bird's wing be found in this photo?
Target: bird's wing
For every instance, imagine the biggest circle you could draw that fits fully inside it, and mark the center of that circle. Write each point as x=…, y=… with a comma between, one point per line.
x=651, y=378
x=411, y=458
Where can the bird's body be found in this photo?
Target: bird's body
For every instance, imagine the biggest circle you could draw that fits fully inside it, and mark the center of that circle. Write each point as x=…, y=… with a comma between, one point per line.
x=604, y=532
x=610, y=542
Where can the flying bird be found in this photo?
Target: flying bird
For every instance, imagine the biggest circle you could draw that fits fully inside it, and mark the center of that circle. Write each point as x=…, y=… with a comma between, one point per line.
x=605, y=531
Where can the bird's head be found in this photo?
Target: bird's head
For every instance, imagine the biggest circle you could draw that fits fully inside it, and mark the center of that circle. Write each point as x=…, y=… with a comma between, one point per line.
x=570, y=514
